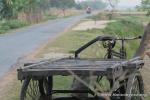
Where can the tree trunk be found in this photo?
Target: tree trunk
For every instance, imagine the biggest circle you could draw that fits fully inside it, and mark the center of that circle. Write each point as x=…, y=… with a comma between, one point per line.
x=141, y=51
x=64, y=12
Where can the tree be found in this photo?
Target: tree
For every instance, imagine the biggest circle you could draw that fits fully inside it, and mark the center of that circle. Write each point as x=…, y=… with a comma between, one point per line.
x=145, y=6
x=62, y=4
x=10, y=8
x=113, y=4
x=6, y=10
x=94, y=4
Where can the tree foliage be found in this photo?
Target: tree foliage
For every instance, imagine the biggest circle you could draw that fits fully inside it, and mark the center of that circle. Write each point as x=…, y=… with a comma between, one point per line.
x=94, y=4
x=10, y=8
x=6, y=10
x=145, y=6
x=113, y=3
x=62, y=3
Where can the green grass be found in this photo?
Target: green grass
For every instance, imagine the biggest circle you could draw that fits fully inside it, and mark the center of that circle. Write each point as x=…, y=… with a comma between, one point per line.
x=147, y=98
x=71, y=41
x=126, y=28
x=139, y=18
x=6, y=25
x=105, y=16
x=50, y=17
x=99, y=16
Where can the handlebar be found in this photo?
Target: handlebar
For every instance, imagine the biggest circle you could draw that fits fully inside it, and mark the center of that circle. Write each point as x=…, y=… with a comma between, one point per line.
x=99, y=38
x=103, y=38
x=134, y=38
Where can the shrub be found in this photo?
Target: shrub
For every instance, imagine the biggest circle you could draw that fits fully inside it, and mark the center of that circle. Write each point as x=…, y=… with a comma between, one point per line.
x=6, y=25
x=50, y=17
x=3, y=28
x=2, y=31
x=13, y=24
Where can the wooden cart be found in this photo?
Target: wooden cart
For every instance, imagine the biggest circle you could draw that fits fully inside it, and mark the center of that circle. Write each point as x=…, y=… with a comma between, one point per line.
x=123, y=74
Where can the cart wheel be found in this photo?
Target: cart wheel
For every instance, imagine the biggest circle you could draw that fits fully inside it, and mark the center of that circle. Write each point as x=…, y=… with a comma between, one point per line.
x=36, y=90
x=135, y=87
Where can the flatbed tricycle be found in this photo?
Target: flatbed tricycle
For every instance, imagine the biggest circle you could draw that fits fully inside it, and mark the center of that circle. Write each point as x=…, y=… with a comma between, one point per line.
x=122, y=74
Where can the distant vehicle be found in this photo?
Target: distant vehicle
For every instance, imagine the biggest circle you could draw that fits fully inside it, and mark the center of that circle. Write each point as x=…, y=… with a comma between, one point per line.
x=88, y=10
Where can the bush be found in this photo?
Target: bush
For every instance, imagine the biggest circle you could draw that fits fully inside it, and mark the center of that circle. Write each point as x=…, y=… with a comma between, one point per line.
x=6, y=25
x=50, y=17
x=2, y=31
x=99, y=16
x=13, y=24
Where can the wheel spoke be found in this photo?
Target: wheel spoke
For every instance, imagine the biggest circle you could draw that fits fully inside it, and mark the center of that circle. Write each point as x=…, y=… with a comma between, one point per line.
x=135, y=87
x=32, y=92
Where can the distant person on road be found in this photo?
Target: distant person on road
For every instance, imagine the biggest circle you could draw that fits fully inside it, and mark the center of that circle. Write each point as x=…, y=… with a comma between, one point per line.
x=88, y=10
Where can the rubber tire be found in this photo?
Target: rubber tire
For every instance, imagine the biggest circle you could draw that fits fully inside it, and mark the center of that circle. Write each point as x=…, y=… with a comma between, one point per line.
x=130, y=83
x=25, y=87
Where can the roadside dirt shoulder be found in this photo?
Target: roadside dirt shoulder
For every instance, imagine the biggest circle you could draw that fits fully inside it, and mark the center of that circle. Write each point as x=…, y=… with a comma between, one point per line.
x=6, y=83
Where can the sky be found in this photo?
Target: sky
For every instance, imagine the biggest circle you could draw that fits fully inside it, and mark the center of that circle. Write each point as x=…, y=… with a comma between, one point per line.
x=129, y=3
x=124, y=3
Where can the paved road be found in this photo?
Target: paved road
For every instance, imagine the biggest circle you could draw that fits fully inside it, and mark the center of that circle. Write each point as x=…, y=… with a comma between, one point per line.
x=24, y=41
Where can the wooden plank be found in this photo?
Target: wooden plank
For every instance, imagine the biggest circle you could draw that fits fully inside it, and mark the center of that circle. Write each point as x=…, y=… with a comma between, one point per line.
x=79, y=67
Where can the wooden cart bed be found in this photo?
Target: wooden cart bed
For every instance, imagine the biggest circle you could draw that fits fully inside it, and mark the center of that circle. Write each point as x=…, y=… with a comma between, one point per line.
x=69, y=66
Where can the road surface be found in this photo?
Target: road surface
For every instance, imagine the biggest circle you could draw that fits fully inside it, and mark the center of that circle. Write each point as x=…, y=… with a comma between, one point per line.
x=23, y=41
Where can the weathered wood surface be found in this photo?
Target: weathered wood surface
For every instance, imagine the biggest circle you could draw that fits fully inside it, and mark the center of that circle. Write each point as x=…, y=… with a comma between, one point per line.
x=79, y=67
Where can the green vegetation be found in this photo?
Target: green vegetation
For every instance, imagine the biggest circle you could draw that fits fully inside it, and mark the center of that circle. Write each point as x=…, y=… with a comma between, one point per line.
x=11, y=8
x=18, y=13
x=96, y=4
x=147, y=98
x=100, y=16
x=115, y=16
x=145, y=6
x=126, y=27
x=72, y=40
x=62, y=4
x=6, y=25
x=123, y=27
x=50, y=17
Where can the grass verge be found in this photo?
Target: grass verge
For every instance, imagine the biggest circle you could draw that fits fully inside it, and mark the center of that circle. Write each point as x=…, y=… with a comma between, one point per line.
x=6, y=25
